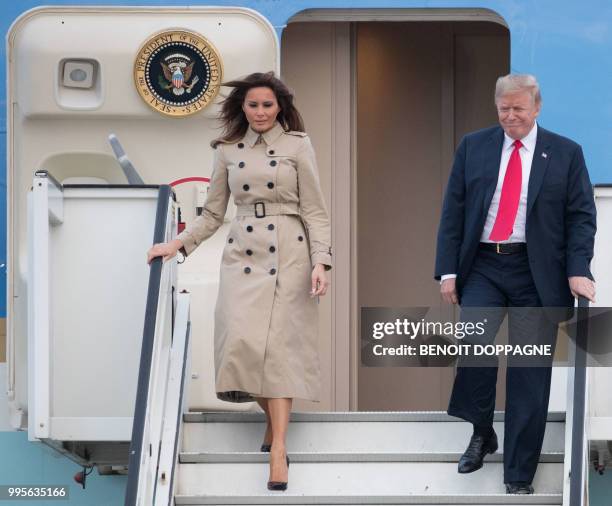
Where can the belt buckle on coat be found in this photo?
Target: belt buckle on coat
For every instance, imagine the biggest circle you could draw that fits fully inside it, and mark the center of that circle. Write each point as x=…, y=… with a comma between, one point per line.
x=263, y=207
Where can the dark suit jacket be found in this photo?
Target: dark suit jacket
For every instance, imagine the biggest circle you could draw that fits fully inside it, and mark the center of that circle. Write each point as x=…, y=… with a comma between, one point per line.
x=560, y=227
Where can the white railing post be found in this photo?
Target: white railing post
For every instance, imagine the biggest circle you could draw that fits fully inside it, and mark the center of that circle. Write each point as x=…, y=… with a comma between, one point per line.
x=46, y=208
x=174, y=403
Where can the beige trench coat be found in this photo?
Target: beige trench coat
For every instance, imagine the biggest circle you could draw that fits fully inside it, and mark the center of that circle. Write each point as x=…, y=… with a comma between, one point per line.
x=265, y=320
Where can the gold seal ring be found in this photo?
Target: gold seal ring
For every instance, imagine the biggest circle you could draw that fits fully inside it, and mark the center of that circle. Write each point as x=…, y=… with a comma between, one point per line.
x=177, y=72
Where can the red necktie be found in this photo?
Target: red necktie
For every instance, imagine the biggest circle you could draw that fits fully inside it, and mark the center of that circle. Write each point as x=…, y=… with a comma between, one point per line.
x=510, y=196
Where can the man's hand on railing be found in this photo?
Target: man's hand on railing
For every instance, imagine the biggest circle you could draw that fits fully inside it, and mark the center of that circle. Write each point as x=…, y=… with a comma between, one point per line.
x=582, y=286
x=164, y=249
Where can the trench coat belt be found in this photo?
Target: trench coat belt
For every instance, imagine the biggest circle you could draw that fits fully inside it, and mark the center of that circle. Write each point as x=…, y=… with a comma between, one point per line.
x=261, y=209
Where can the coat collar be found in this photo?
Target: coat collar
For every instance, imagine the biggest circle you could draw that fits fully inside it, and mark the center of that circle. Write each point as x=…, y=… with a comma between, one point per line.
x=541, y=157
x=269, y=136
x=491, y=160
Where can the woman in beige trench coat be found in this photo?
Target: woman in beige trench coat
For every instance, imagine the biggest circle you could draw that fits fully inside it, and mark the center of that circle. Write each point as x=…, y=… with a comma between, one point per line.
x=274, y=261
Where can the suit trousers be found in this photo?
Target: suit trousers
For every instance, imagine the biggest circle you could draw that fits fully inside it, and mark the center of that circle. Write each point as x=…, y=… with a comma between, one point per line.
x=504, y=284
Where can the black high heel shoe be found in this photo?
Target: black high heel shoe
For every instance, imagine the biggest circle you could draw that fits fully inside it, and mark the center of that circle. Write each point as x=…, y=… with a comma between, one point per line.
x=279, y=485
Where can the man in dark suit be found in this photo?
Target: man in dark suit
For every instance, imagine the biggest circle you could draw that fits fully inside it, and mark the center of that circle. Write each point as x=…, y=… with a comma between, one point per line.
x=517, y=231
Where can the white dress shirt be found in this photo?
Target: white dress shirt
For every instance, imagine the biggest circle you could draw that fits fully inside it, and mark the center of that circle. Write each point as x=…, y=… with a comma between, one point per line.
x=526, y=154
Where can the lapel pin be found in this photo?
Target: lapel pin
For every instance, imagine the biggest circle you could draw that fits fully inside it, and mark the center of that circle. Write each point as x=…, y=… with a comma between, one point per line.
x=544, y=155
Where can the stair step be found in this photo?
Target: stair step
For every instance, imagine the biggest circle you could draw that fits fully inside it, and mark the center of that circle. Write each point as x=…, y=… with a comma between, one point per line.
x=354, y=436
x=287, y=498
x=297, y=457
x=362, y=483
x=345, y=416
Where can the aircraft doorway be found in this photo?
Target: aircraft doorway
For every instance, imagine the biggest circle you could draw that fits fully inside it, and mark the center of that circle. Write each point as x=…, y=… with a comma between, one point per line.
x=386, y=103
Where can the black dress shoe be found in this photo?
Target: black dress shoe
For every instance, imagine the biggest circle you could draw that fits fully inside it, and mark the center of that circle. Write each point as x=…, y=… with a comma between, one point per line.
x=479, y=446
x=519, y=487
x=279, y=485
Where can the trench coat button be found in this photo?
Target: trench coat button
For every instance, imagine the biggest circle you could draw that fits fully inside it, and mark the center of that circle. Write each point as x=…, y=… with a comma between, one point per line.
x=249, y=252
x=273, y=163
x=270, y=185
x=273, y=271
x=300, y=238
x=272, y=249
x=270, y=226
x=230, y=240
x=249, y=228
x=271, y=152
x=241, y=145
x=241, y=165
x=247, y=270
x=245, y=187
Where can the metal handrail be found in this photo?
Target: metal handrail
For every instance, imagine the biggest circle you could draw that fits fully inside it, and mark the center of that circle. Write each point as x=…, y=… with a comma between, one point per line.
x=146, y=354
x=577, y=471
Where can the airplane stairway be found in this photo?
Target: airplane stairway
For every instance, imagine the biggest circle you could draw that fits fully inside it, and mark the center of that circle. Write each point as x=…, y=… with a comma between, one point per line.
x=353, y=458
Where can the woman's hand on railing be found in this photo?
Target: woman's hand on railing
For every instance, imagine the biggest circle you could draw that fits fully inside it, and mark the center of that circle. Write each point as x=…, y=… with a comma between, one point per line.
x=167, y=250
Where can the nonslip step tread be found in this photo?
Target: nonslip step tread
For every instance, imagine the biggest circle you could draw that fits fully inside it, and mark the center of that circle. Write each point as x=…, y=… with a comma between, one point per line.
x=346, y=416
x=275, y=498
x=297, y=457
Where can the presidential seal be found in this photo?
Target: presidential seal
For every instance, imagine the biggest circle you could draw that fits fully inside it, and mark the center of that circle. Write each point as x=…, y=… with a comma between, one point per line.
x=177, y=72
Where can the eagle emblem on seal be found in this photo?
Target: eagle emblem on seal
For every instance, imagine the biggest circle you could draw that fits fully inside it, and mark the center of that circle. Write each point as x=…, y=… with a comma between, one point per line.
x=177, y=71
